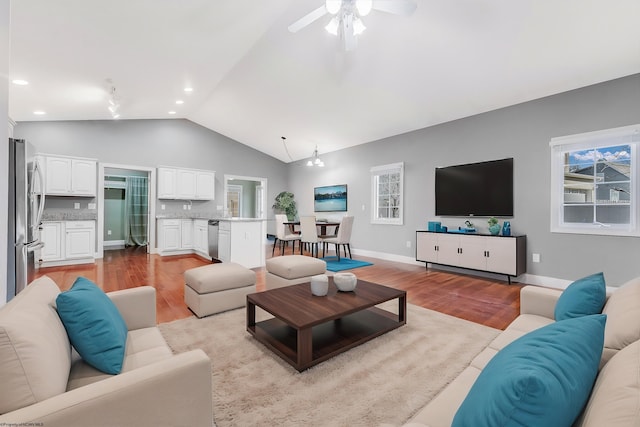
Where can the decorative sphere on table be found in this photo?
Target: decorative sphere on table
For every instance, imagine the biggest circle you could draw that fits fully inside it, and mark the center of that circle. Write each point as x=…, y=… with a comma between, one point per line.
x=345, y=282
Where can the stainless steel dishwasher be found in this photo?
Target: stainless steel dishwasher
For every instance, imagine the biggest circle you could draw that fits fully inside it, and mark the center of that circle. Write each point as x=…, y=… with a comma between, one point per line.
x=214, y=225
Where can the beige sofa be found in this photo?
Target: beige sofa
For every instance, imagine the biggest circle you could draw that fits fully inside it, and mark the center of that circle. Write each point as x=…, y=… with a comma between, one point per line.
x=43, y=381
x=615, y=398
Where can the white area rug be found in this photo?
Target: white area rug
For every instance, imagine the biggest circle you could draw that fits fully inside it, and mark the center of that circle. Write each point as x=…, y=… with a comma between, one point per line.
x=384, y=381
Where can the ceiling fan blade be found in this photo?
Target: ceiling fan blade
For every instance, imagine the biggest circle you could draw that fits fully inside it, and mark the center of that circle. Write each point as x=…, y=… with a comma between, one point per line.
x=397, y=7
x=308, y=19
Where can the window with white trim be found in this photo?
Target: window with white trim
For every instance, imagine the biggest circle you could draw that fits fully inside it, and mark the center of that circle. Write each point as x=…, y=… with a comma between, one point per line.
x=386, y=194
x=594, y=182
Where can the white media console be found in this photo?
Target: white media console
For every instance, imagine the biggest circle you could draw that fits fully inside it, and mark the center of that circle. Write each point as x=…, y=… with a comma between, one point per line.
x=483, y=252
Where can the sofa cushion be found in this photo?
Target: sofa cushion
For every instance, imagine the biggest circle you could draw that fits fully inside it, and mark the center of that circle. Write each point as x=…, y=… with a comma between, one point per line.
x=623, y=317
x=542, y=378
x=94, y=325
x=144, y=347
x=615, y=399
x=581, y=298
x=35, y=354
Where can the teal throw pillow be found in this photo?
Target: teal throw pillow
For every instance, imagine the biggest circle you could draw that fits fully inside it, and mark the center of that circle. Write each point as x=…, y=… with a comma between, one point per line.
x=581, y=298
x=94, y=325
x=543, y=378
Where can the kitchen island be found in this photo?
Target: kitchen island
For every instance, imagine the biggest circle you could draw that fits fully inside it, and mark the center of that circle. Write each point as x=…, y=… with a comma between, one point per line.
x=239, y=240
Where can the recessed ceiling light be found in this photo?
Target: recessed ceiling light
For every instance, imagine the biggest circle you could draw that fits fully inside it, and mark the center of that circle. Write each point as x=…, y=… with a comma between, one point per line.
x=188, y=89
x=20, y=82
x=39, y=113
x=179, y=102
x=172, y=112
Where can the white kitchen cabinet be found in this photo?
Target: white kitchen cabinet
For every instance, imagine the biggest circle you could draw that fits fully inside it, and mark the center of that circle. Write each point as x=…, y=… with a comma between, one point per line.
x=205, y=185
x=169, y=235
x=79, y=239
x=186, y=234
x=83, y=177
x=58, y=175
x=69, y=176
x=67, y=243
x=166, y=183
x=224, y=241
x=496, y=254
x=200, y=237
x=51, y=236
x=185, y=184
x=241, y=242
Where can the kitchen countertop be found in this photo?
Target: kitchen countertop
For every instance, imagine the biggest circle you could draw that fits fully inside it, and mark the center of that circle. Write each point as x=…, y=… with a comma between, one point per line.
x=202, y=215
x=69, y=215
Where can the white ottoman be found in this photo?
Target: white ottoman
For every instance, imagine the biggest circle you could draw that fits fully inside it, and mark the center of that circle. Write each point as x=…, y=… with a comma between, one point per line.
x=219, y=287
x=292, y=269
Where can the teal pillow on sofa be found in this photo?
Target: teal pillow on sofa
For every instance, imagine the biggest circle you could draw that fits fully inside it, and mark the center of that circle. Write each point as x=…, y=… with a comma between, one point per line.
x=581, y=298
x=94, y=325
x=543, y=378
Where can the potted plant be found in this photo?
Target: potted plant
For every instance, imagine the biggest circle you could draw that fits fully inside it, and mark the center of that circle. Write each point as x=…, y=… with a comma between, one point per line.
x=285, y=203
x=494, y=227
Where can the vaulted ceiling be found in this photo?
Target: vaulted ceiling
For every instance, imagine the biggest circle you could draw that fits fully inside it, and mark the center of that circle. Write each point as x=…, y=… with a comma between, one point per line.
x=254, y=81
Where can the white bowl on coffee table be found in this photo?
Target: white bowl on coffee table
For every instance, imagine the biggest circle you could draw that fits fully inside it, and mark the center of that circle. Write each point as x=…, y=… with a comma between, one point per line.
x=345, y=282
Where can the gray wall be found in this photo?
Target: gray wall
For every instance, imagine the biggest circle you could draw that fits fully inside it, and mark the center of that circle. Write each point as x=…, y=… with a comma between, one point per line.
x=151, y=143
x=523, y=132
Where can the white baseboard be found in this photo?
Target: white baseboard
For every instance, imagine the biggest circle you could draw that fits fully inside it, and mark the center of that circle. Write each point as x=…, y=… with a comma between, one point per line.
x=108, y=243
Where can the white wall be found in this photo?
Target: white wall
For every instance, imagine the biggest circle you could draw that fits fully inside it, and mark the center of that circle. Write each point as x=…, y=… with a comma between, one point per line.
x=4, y=153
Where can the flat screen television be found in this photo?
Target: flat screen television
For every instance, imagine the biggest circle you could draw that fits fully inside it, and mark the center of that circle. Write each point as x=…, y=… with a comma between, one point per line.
x=330, y=198
x=475, y=189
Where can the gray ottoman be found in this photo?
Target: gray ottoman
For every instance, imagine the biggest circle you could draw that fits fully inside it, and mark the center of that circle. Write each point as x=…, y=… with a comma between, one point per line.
x=292, y=269
x=217, y=287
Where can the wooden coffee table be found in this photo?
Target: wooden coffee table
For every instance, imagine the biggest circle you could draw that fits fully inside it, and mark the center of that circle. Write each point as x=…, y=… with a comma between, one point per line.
x=308, y=329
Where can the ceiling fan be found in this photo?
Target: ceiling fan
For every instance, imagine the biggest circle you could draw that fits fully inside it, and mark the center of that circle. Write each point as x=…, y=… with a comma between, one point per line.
x=347, y=16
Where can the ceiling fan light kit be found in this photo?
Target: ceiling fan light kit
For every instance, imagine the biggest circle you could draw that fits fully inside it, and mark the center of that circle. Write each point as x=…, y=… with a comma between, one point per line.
x=347, y=16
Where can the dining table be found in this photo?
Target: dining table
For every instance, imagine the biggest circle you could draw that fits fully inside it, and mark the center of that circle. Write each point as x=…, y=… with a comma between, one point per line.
x=320, y=224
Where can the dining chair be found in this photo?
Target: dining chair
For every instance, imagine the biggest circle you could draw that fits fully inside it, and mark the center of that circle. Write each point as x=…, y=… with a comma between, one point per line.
x=283, y=235
x=343, y=237
x=309, y=234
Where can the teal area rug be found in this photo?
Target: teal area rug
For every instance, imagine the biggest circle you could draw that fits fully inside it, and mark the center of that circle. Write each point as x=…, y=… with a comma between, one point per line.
x=344, y=264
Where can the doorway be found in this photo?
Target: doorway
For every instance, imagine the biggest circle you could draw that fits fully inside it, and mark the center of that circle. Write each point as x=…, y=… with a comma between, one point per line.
x=126, y=207
x=244, y=196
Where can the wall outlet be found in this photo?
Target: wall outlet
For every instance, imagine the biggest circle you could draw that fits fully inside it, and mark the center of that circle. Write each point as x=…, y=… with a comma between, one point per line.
x=91, y=206
x=408, y=243
x=163, y=207
x=184, y=207
x=108, y=232
x=536, y=258
x=76, y=205
x=189, y=207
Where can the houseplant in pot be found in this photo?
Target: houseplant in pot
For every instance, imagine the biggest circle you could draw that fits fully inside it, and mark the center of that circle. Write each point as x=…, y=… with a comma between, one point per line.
x=494, y=227
x=285, y=203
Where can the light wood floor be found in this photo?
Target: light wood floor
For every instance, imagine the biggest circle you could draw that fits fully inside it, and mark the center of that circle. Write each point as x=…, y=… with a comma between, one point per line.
x=485, y=301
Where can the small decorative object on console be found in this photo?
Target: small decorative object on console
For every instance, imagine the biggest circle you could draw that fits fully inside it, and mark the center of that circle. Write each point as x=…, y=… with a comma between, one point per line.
x=506, y=229
x=494, y=226
x=319, y=285
x=345, y=282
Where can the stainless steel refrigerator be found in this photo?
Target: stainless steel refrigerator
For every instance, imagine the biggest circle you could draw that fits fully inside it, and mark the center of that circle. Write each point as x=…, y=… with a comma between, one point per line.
x=26, y=204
